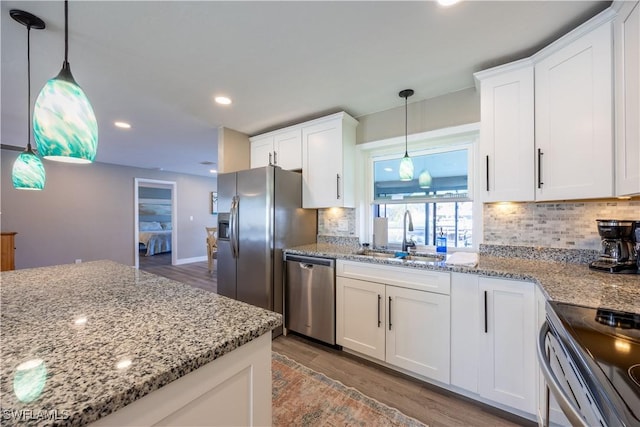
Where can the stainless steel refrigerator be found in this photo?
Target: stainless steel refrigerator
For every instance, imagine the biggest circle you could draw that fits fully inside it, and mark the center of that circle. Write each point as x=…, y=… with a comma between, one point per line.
x=260, y=213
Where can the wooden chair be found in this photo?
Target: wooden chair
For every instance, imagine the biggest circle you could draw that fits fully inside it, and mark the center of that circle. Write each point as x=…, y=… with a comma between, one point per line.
x=212, y=245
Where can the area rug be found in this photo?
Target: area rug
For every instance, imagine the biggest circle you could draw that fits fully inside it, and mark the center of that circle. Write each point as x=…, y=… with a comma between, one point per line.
x=304, y=397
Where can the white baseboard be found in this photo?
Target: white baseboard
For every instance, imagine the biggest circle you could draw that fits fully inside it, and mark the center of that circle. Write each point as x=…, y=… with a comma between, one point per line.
x=191, y=260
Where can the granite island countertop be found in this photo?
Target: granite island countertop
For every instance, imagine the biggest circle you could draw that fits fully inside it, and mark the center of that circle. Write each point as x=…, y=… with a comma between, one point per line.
x=567, y=282
x=99, y=335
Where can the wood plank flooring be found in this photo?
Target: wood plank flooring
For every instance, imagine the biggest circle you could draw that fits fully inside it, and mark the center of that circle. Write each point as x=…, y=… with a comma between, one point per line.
x=425, y=402
x=194, y=274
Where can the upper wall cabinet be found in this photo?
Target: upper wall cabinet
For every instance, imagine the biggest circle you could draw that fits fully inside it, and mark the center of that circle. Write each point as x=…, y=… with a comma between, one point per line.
x=280, y=148
x=547, y=121
x=627, y=95
x=328, y=162
x=573, y=118
x=506, y=135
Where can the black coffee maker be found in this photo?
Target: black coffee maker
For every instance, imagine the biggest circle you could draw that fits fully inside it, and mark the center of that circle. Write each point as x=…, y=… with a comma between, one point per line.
x=619, y=252
x=637, y=238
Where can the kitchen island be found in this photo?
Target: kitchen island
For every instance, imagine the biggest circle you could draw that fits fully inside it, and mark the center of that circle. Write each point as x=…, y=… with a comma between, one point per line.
x=101, y=341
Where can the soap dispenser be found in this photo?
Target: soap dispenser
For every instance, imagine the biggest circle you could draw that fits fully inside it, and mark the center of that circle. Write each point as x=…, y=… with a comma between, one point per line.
x=441, y=243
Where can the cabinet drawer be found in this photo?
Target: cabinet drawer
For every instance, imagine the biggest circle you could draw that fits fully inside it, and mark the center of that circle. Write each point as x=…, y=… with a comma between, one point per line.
x=406, y=277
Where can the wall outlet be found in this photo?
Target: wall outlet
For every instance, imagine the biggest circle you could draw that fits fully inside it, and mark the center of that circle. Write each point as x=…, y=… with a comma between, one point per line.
x=78, y=261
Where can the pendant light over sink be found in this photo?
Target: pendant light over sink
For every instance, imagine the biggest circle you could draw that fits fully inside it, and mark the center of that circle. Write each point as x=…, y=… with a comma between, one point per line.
x=406, y=164
x=64, y=125
x=28, y=170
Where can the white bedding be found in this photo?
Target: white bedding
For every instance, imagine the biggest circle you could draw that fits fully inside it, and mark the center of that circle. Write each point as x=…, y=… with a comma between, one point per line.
x=156, y=241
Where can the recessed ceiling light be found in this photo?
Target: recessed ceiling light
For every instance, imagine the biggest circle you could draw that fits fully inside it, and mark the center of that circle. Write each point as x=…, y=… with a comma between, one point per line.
x=388, y=169
x=122, y=125
x=222, y=100
x=447, y=2
x=213, y=171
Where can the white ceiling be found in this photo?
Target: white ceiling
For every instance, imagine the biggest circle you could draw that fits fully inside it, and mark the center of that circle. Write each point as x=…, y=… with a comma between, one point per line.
x=158, y=64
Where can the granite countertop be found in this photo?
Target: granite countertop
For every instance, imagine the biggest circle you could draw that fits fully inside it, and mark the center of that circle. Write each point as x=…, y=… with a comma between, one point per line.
x=99, y=335
x=570, y=282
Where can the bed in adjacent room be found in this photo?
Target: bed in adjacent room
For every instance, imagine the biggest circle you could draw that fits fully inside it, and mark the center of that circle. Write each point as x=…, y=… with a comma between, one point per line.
x=155, y=237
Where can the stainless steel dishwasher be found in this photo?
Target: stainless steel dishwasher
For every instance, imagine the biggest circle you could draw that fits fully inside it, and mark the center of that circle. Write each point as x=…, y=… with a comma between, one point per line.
x=310, y=297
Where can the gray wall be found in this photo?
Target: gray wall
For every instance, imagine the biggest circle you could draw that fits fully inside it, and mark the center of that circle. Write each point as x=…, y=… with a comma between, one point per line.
x=453, y=109
x=87, y=212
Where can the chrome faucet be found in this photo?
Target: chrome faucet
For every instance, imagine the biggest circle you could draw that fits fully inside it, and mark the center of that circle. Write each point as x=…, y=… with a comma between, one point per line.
x=410, y=243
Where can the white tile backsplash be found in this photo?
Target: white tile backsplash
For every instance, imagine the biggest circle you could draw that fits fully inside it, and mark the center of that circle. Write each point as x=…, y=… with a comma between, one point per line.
x=337, y=222
x=564, y=225
x=554, y=225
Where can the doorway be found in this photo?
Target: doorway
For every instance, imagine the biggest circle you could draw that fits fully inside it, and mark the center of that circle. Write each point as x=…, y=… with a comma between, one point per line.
x=155, y=222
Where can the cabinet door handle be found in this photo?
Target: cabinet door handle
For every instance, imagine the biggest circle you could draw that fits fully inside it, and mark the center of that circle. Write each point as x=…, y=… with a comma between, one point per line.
x=379, y=300
x=486, y=327
x=540, y=153
x=338, y=186
x=389, y=313
x=487, y=173
x=275, y=157
x=270, y=159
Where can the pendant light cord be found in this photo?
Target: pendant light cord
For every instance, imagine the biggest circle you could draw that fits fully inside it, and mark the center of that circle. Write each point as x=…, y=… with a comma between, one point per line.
x=406, y=150
x=66, y=31
x=29, y=88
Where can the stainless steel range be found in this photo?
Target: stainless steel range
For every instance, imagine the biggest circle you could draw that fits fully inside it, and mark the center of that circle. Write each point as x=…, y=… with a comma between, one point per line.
x=591, y=362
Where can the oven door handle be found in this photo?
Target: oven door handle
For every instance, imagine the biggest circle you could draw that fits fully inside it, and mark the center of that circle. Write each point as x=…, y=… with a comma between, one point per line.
x=568, y=407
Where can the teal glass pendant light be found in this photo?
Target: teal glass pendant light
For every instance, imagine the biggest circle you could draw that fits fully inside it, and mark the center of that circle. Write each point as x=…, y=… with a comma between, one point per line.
x=424, y=179
x=406, y=164
x=28, y=170
x=64, y=125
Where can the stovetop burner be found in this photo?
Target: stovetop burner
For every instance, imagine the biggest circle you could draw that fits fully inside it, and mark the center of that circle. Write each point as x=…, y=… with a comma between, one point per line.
x=618, y=319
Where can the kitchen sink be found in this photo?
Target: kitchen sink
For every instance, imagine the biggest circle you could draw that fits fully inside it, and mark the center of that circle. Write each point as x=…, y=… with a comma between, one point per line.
x=395, y=255
x=380, y=254
x=427, y=258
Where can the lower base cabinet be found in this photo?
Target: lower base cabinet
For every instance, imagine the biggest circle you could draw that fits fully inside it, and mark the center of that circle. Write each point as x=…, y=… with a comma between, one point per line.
x=493, y=339
x=406, y=328
x=233, y=390
x=361, y=316
x=418, y=332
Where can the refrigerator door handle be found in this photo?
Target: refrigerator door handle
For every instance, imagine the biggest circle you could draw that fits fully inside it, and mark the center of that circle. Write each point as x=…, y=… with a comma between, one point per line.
x=233, y=226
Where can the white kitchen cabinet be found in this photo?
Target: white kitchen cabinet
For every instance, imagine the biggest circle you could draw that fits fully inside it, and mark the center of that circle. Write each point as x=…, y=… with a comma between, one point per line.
x=507, y=132
x=233, y=390
x=627, y=95
x=574, y=118
x=280, y=148
x=328, y=162
x=507, y=343
x=360, y=316
x=418, y=332
x=547, y=121
x=405, y=326
x=261, y=151
x=465, y=317
x=493, y=339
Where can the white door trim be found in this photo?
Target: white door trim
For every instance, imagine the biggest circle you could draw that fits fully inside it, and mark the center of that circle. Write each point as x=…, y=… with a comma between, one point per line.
x=174, y=214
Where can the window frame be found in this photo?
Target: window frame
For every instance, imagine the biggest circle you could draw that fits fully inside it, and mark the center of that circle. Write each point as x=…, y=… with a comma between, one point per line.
x=438, y=140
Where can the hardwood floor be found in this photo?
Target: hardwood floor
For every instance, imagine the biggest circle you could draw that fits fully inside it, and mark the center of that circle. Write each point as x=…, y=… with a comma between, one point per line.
x=425, y=402
x=194, y=274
